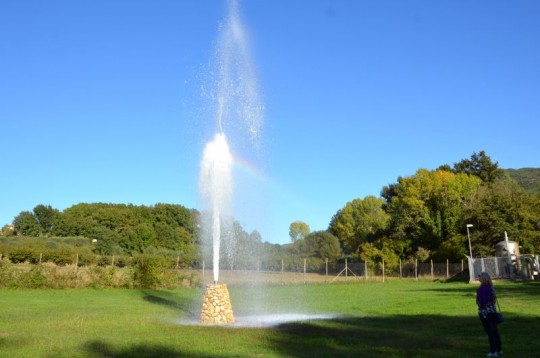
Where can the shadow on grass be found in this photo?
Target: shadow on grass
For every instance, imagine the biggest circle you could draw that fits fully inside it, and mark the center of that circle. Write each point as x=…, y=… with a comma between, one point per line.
x=101, y=349
x=391, y=336
x=525, y=290
x=168, y=299
x=396, y=336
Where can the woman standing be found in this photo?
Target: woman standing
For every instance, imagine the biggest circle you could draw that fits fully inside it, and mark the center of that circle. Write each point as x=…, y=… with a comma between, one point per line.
x=486, y=300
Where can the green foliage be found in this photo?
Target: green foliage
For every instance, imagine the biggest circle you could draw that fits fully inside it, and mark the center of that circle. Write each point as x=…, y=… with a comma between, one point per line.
x=26, y=224
x=499, y=207
x=376, y=252
x=35, y=278
x=319, y=244
x=298, y=230
x=150, y=271
x=427, y=208
x=479, y=165
x=527, y=178
x=45, y=217
x=360, y=221
x=129, y=229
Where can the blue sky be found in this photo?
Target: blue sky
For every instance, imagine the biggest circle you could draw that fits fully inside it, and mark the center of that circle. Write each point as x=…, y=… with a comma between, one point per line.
x=101, y=101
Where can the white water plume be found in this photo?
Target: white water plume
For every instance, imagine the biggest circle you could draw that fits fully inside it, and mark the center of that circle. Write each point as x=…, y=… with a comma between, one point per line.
x=239, y=114
x=216, y=188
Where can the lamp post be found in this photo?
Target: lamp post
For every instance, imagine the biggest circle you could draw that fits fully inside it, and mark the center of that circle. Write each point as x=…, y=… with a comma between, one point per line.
x=469, y=237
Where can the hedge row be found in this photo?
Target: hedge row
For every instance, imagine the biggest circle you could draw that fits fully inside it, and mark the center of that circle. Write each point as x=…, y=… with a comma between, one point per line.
x=147, y=271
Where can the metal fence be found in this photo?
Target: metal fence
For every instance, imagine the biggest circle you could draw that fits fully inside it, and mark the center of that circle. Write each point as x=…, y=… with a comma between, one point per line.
x=524, y=267
x=302, y=272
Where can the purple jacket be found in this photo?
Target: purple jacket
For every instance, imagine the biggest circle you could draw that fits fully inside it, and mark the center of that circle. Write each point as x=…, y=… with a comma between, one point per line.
x=485, y=299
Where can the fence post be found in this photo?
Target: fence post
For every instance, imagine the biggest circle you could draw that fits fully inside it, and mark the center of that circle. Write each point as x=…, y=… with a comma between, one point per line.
x=447, y=268
x=177, y=261
x=346, y=270
x=382, y=270
x=365, y=268
x=416, y=269
x=112, y=261
x=400, y=270
x=77, y=263
x=326, y=277
x=432, y=277
x=282, y=271
x=40, y=257
x=203, y=271
x=462, y=265
x=304, y=271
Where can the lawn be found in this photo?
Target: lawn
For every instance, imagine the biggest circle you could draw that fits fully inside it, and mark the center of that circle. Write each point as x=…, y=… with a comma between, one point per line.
x=371, y=319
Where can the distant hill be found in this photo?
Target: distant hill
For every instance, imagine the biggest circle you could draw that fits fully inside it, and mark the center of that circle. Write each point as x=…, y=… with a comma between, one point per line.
x=528, y=178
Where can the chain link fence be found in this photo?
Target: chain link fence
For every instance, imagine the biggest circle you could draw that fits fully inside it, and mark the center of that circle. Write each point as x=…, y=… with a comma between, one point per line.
x=523, y=267
x=302, y=272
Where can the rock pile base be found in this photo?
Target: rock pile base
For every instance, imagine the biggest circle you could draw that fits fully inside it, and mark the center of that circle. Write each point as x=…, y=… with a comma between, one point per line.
x=216, y=306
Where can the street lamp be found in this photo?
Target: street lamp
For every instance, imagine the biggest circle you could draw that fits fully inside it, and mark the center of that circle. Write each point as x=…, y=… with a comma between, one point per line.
x=469, y=237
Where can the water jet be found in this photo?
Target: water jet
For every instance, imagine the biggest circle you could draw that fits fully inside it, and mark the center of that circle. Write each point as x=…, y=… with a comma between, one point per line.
x=237, y=107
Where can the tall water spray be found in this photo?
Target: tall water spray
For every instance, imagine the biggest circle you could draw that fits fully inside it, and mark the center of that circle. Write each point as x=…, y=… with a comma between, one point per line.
x=239, y=113
x=216, y=189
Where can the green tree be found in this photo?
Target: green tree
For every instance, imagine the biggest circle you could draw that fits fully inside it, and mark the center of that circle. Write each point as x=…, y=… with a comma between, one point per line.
x=427, y=208
x=298, y=230
x=45, y=217
x=499, y=207
x=360, y=221
x=314, y=249
x=26, y=224
x=479, y=165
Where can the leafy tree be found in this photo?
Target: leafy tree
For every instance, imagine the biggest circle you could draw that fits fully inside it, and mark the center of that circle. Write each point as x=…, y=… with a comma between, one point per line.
x=319, y=244
x=360, y=221
x=427, y=208
x=499, y=207
x=298, y=230
x=26, y=224
x=479, y=165
x=376, y=252
x=45, y=217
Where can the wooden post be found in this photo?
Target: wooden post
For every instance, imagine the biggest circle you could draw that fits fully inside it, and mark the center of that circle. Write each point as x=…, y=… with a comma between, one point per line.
x=40, y=257
x=282, y=265
x=432, y=277
x=304, y=271
x=382, y=270
x=77, y=263
x=462, y=265
x=400, y=270
x=203, y=271
x=416, y=269
x=365, y=268
x=112, y=261
x=177, y=261
x=346, y=270
x=326, y=277
x=447, y=268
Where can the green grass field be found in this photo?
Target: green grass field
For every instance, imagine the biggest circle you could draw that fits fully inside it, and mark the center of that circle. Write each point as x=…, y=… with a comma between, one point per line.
x=372, y=319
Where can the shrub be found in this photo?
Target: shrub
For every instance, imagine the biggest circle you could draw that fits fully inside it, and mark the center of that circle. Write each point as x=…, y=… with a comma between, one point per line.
x=62, y=255
x=34, y=278
x=6, y=274
x=150, y=271
x=20, y=254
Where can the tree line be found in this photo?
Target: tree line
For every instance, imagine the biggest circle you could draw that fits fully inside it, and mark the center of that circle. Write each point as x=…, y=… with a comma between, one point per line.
x=424, y=216
x=420, y=217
